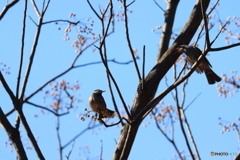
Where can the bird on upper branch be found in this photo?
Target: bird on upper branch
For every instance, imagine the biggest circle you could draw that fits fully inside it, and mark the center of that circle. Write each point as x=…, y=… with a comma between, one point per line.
x=204, y=66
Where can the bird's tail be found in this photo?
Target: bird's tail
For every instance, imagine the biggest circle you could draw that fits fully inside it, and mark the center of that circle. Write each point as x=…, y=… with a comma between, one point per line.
x=211, y=76
x=107, y=113
x=111, y=113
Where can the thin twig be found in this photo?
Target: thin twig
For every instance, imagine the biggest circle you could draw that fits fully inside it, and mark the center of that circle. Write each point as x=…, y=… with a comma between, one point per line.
x=143, y=67
x=58, y=137
x=93, y=9
x=179, y=108
x=192, y=102
x=190, y=135
x=129, y=41
x=7, y=88
x=22, y=49
x=36, y=8
x=66, y=71
x=182, y=70
x=115, y=83
x=10, y=112
x=45, y=108
x=68, y=156
x=31, y=58
x=199, y=35
x=32, y=20
x=105, y=53
x=130, y=3
x=166, y=136
x=207, y=39
x=78, y=135
x=101, y=153
x=62, y=20
x=184, y=92
x=222, y=28
x=159, y=6
x=225, y=47
x=45, y=9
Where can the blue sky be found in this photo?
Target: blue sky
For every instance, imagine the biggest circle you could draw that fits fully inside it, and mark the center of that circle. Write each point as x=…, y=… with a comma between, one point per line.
x=54, y=55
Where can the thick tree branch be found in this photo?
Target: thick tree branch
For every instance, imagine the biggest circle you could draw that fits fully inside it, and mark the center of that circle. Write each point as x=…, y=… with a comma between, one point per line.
x=167, y=27
x=13, y=135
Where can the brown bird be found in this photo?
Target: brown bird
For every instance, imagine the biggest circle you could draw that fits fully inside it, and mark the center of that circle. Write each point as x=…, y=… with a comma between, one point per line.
x=97, y=104
x=204, y=66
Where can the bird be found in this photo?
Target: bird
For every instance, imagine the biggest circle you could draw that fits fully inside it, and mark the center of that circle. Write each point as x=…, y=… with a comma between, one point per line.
x=98, y=105
x=204, y=66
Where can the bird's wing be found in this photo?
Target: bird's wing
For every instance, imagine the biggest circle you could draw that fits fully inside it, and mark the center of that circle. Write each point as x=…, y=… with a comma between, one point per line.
x=190, y=62
x=204, y=58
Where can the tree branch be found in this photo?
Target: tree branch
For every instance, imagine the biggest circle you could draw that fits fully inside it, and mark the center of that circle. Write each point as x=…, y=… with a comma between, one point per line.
x=7, y=7
x=14, y=136
x=22, y=49
x=129, y=41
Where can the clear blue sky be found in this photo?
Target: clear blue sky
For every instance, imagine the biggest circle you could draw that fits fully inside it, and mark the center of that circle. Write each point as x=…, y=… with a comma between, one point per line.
x=54, y=55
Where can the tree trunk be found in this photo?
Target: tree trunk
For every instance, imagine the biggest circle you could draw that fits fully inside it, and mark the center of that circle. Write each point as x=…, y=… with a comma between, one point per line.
x=151, y=82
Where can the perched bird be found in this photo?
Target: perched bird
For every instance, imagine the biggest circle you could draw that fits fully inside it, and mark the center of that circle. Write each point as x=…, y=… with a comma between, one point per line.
x=97, y=104
x=204, y=66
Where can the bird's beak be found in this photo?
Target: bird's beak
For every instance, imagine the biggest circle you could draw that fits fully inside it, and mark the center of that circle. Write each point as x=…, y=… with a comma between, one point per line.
x=177, y=49
x=103, y=91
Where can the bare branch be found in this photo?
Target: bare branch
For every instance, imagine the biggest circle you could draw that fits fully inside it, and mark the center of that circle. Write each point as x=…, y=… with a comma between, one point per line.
x=68, y=156
x=45, y=9
x=114, y=81
x=13, y=135
x=225, y=47
x=36, y=8
x=22, y=49
x=192, y=102
x=31, y=58
x=130, y=3
x=212, y=9
x=101, y=153
x=7, y=7
x=166, y=136
x=143, y=67
x=59, y=138
x=10, y=112
x=78, y=135
x=45, y=108
x=33, y=20
x=179, y=108
x=222, y=28
x=93, y=9
x=159, y=6
x=66, y=71
x=30, y=135
x=207, y=39
x=7, y=88
x=61, y=20
x=103, y=56
x=129, y=41
x=155, y=100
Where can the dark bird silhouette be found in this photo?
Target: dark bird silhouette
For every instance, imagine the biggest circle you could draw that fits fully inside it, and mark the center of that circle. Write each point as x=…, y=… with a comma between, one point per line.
x=204, y=66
